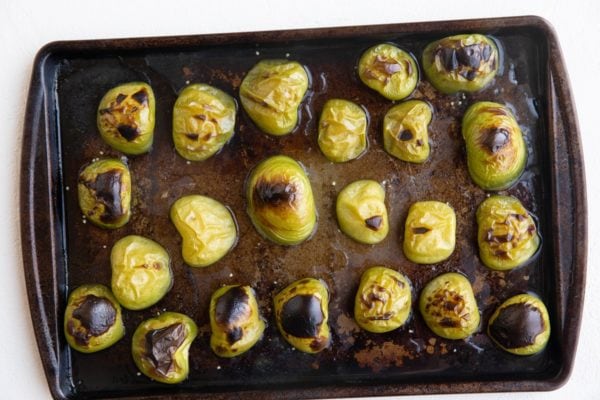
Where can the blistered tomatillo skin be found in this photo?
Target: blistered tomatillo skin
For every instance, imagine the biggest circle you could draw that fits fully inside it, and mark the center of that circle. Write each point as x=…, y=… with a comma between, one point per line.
x=448, y=306
x=271, y=94
x=496, y=152
x=302, y=314
x=280, y=201
x=203, y=121
x=141, y=272
x=93, y=319
x=126, y=117
x=388, y=70
x=507, y=235
x=104, y=192
x=160, y=347
x=207, y=228
x=342, y=130
x=520, y=325
x=461, y=63
x=235, y=321
x=405, y=131
x=361, y=211
x=383, y=300
x=430, y=232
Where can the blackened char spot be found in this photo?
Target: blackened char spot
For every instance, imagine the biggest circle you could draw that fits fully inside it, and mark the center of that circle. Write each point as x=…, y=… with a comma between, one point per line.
x=97, y=315
x=192, y=136
x=494, y=139
x=517, y=325
x=486, y=52
x=128, y=132
x=275, y=193
x=448, y=57
x=419, y=230
x=234, y=334
x=374, y=222
x=405, y=135
x=449, y=323
x=161, y=345
x=120, y=98
x=232, y=306
x=107, y=190
x=301, y=316
x=469, y=56
x=468, y=74
x=141, y=96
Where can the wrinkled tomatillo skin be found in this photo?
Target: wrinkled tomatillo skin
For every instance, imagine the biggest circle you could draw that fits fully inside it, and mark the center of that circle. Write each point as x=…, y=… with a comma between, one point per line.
x=271, y=94
x=280, y=201
x=507, y=235
x=383, y=300
x=430, y=232
x=361, y=211
x=126, y=118
x=141, y=272
x=342, y=130
x=207, y=228
x=388, y=70
x=160, y=347
x=93, y=319
x=302, y=314
x=461, y=63
x=203, y=121
x=405, y=131
x=235, y=320
x=520, y=325
x=448, y=306
x=496, y=151
x=104, y=192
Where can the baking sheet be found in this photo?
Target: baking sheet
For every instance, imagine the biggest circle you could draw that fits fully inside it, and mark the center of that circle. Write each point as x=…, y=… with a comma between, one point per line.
x=61, y=136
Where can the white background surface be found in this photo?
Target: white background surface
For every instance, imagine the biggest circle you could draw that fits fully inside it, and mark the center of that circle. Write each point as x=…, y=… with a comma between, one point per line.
x=25, y=26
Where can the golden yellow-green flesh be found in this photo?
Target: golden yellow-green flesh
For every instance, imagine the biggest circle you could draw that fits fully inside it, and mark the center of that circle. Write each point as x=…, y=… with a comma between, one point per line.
x=461, y=63
x=141, y=272
x=93, y=320
x=383, y=300
x=207, y=228
x=342, y=130
x=280, y=201
x=405, y=131
x=203, y=121
x=104, y=193
x=235, y=321
x=430, y=232
x=160, y=347
x=507, y=235
x=125, y=117
x=271, y=94
x=388, y=70
x=361, y=211
x=496, y=151
x=448, y=306
x=520, y=325
x=302, y=315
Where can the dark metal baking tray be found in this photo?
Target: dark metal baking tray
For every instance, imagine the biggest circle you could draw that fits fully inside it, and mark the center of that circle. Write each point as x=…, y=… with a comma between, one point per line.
x=61, y=252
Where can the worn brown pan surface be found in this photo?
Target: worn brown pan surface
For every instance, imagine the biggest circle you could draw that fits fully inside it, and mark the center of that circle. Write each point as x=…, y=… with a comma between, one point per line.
x=62, y=252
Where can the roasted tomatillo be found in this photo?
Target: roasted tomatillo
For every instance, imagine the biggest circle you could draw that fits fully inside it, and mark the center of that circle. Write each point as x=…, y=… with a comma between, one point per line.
x=302, y=314
x=280, y=201
x=160, y=347
x=126, y=117
x=93, y=319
